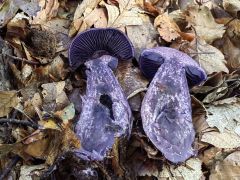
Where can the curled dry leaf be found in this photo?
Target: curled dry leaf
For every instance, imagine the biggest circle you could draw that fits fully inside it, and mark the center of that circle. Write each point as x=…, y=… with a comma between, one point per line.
x=218, y=93
x=229, y=168
x=201, y=19
x=48, y=10
x=225, y=115
x=126, y=15
x=230, y=44
x=232, y=6
x=9, y=100
x=167, y=28
x=199, y=114
x=82, y=10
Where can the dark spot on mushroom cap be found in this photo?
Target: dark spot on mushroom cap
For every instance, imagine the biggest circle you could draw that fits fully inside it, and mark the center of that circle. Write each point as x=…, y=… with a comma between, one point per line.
x=98, y=41
x=151, y=59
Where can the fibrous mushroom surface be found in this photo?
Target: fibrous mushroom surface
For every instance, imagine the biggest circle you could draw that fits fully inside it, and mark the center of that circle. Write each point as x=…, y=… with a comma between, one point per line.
x=106, y=114
x=166, y=109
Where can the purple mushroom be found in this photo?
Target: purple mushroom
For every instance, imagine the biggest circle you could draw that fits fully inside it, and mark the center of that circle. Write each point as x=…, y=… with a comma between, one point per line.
x=106, y=114
x=166, y=108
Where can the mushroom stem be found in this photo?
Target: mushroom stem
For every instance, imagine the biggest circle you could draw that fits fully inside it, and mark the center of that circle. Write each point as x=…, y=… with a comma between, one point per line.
x=103, y=116
x=166, y=112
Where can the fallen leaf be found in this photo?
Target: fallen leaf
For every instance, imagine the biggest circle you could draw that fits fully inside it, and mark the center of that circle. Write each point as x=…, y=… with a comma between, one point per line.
x=54, y=97
x=218, y=93
x=191, y=170
x=30, y=7
x=201, y=19
x=225, y=115
x=81, y=11
x=225, y=139
x=7, y=12
x=126, y=15
x=199, y=114
x=209, y=155
x=167, y=28
x=66, y=114
x=9, y=100
x=210, y=58
x=143, y=33
x=229, y=168
x=48, y=10
x=231, y=6
x=29, y=172
x=4, y=74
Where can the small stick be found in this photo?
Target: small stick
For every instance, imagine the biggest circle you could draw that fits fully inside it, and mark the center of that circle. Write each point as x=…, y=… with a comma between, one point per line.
x=9, y=167
x=22, y=59
x=21, y=122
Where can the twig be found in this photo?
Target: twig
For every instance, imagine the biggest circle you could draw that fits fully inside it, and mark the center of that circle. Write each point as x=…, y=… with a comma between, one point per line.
x=22, y=59
x=9, y=167
x=21, y=122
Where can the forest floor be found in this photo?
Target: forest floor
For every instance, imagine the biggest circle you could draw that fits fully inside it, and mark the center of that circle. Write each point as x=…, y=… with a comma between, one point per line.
x=40, y=96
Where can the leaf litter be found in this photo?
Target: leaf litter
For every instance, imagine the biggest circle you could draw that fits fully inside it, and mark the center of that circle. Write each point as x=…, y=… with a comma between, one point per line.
x=41, y=97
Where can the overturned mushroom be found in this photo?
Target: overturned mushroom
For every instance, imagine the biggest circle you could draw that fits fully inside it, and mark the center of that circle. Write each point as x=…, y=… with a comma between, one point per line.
x=106, y=114
x=166, y=108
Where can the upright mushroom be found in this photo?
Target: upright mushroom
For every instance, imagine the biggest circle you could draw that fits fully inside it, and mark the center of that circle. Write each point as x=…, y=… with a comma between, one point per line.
x=166, y=108
x=106, y=114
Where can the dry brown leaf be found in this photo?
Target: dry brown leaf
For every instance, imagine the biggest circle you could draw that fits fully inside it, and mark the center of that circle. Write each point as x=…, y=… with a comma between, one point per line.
x=48, y=10
x=232, y=6
x=145, y=33
x=209, y=155
x=229, y=168
x=225, y=115
x=97, y=17
x=66, y=114
x=30, y=7
x=83, y=9
x=225, y=139
x=209, y=57
x=29, y=172
x=54, y=97
x=126, y=15
x=133, y=83
x=9, y=100
x=191, y=170
x=7, y=11
x=167, y=28
x=199, y=114
x=201, y=19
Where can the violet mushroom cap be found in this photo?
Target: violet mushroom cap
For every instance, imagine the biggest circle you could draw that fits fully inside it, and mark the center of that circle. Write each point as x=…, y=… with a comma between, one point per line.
x=166, y=108
x=106, y=114
x=151, y=59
